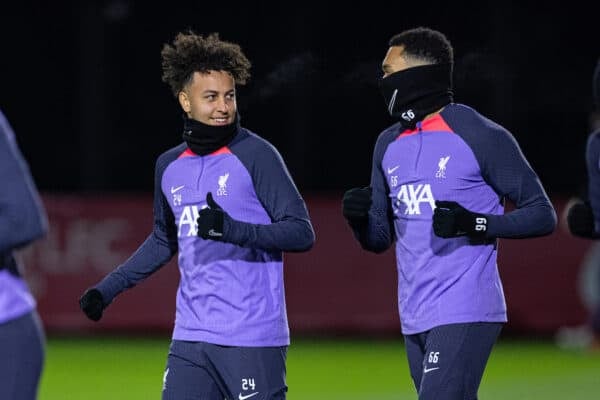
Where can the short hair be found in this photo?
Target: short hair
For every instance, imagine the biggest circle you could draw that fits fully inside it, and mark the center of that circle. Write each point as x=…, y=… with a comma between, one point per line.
x=424, y=45
x=191, y=53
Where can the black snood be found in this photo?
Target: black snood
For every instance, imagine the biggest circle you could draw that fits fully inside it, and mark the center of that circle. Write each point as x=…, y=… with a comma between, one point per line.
x=204, y=139
x=413, y=93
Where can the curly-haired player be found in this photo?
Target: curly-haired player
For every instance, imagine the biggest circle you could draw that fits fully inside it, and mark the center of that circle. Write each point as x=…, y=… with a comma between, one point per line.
x=225, y=201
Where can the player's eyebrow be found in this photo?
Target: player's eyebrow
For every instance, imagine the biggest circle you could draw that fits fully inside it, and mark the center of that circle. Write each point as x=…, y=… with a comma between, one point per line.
x=211, y=91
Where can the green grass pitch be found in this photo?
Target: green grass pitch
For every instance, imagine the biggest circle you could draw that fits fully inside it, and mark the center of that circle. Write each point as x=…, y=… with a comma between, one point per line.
x=132, y=368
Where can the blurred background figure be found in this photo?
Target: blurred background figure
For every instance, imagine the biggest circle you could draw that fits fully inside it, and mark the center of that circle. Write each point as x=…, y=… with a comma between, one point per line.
x=22, y=221
x=587, y=335
x=583, y=220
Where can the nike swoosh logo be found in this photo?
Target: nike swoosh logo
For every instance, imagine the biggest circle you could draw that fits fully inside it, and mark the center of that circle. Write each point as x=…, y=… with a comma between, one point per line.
x=391, y=170
x=240, y=397
x=426, y=370
x=392, y=102
x=176, y=189
x=212, y=232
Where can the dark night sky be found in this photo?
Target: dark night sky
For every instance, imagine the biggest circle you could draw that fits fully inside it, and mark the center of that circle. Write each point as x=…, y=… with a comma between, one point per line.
x=81, y=83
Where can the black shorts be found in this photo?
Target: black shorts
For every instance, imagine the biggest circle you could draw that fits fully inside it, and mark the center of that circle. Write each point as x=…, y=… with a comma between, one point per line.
x=204, y=371
x=447, y=362
x=22, y=350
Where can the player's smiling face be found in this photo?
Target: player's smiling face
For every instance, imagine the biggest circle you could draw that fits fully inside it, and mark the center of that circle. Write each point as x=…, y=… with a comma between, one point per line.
x=210, y=98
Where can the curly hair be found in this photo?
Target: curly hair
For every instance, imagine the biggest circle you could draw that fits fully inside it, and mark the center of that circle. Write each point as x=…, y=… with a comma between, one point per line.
x=191, y=53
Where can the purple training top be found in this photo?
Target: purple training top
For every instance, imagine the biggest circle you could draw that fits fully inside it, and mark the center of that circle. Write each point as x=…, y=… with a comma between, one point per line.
x=456, y=155
x=22, y=220
x=231, y=292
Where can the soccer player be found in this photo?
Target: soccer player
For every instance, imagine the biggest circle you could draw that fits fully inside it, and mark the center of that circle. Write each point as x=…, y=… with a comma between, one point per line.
x=583, y=216
x=440, y=176
x=225, y=201
x=22, y=221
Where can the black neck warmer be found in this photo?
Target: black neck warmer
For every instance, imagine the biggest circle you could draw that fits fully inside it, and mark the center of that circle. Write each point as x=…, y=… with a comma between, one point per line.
x=204, y=139
x=413, y=93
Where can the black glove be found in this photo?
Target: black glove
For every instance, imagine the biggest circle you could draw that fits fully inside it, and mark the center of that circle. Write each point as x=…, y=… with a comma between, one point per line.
x=210, y=220
x=92, y=304
x=581, y=220
x=356, y=204
x=450, y=219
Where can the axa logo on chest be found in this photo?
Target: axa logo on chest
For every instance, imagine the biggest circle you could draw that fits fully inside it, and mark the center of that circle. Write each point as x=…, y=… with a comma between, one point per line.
x=187, y=221
x=411, y=197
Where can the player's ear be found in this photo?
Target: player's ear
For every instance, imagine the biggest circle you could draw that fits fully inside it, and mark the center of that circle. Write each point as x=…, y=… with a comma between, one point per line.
x=184, y=101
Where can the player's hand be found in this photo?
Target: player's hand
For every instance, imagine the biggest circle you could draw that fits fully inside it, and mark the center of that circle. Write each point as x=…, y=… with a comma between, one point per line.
x=450, y=219
x=356, y=204
x=92, y=304
x=210, y=220
x=580, y=220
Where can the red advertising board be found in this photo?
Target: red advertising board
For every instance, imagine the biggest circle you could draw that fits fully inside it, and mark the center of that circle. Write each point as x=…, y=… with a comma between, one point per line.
x=335, y=288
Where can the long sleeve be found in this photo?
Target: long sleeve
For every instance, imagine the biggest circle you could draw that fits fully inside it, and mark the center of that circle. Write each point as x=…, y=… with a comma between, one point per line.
x=22, y=215
x=377, y=234
x=290, y=229
x=512, y=177
x=155, y=251
x=506, y=170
